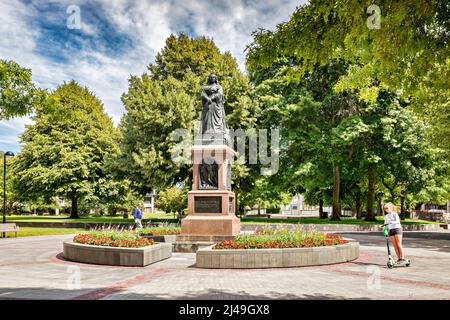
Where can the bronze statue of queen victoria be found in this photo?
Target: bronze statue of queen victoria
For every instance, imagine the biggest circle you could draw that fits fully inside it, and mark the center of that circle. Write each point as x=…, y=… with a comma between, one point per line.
x=214, y=125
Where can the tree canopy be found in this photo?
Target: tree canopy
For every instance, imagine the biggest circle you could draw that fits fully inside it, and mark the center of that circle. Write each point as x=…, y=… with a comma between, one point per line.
x=17, y=92
x=408, y=51
x=408, y=54
x=335, y=142
x=172, y=200
x=64, y=150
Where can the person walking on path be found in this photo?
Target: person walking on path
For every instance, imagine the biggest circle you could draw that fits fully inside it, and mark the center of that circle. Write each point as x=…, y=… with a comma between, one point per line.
x=392, y=220
x=138, y=217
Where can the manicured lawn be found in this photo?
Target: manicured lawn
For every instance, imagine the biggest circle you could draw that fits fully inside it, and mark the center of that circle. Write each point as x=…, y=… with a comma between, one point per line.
x=248, y=220
x=169, y=219
x=27, y=232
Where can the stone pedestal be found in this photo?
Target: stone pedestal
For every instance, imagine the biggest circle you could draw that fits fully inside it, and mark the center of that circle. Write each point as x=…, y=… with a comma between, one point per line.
x=211, y=215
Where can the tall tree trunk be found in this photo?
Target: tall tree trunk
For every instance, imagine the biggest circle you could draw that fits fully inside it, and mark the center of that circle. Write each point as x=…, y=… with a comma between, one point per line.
x=358, y=204
x=380, y=206
x=371, y=194
x=336, y=214
x=402, y=205
x=321, y=213
x=74, y=210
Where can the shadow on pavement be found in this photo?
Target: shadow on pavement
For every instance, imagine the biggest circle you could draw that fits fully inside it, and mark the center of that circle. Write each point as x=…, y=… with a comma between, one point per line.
x=60, y=294
x=436, y=241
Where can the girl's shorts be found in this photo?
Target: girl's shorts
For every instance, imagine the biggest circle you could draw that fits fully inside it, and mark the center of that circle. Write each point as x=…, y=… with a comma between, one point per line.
x=396, y=231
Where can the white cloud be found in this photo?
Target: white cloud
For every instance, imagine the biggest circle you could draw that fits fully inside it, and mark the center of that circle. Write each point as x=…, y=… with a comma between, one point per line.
x=148, y=23
x=10, y=131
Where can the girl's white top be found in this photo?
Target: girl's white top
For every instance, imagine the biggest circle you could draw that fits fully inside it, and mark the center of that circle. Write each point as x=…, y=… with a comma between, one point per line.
x=394, y=218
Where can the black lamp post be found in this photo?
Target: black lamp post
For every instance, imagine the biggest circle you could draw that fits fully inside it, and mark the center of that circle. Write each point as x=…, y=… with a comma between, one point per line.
x=7, y=154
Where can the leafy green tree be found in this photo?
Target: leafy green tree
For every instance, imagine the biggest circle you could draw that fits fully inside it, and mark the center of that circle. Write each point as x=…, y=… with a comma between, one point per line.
x=112, y=195
x=326, y=138
x=409, y=161
x=408, y=56
x=17, y=92
x=64, y=150
x=408, y=53
x=408, y=50
x=390, y=146
x=172, y=199
x=265, y=194
x=308, y=113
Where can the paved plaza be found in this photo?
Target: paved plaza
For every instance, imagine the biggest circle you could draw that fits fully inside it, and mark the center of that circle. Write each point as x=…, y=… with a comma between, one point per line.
x=33, y=268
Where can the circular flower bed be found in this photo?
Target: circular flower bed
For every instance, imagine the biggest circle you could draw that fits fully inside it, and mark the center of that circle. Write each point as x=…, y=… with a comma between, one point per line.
x=281, y=238
x=122, y=239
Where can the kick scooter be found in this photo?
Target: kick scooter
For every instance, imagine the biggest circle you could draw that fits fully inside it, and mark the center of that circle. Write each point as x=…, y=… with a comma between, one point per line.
x=391, y=261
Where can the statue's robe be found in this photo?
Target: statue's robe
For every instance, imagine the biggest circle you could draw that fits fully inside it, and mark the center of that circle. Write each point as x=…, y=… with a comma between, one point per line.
x=213, y=114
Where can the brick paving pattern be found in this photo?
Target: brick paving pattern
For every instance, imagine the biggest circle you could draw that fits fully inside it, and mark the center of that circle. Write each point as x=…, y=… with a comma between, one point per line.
x=33, y=268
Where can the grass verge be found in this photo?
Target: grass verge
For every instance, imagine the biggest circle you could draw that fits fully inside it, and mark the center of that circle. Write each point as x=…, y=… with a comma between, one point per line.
x=163, y=218
x=255, y=220
x=91, y=219
x=31, y=231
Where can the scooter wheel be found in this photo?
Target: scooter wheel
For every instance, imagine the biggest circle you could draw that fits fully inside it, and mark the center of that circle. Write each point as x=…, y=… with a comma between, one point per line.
x=408, y=263
x=390, y=265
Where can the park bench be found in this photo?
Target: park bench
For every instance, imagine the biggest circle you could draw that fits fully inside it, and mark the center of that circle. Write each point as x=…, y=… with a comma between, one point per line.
x=9, y=227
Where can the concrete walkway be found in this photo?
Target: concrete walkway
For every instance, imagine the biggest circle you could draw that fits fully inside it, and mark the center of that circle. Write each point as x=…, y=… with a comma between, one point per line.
x=33, y=268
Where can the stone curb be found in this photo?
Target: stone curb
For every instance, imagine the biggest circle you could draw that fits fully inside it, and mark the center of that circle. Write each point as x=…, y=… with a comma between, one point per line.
x=130, y=257
x=79, y=225
x=340, y=227
x=275, y=258
x=163, y=238
x=246, y=227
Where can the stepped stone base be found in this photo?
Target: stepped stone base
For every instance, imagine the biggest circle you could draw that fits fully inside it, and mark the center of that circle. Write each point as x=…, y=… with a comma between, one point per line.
x=190, y=246
x=209, y=228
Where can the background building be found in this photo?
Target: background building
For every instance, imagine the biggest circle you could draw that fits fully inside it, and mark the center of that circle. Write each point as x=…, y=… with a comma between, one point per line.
x=149, y=202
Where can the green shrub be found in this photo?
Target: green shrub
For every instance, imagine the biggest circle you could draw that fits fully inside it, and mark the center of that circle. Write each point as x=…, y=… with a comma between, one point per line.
x=113, y=238
x=159, y=231
x=281, y=238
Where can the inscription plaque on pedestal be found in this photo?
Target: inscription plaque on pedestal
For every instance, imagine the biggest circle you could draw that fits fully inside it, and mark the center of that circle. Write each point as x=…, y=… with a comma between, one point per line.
x=208, y=204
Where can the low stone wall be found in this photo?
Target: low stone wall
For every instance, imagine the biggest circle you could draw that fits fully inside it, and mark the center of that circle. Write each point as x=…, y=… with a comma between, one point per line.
x=82, y=225
x=339, y=227
x=130, y=257
x=36, y=224
x=275, y=258
x=181, y=246
x=190, y=246
x=432, y=215
x=244, y=227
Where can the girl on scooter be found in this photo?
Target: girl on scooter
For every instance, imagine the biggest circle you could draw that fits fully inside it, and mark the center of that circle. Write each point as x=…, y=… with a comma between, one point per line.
x=392, y=220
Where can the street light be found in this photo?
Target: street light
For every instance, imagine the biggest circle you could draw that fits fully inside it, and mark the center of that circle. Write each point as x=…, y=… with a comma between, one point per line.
x=7, y=154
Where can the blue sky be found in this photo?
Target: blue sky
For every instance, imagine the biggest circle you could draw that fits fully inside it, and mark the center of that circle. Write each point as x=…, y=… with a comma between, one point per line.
x=118, y=38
